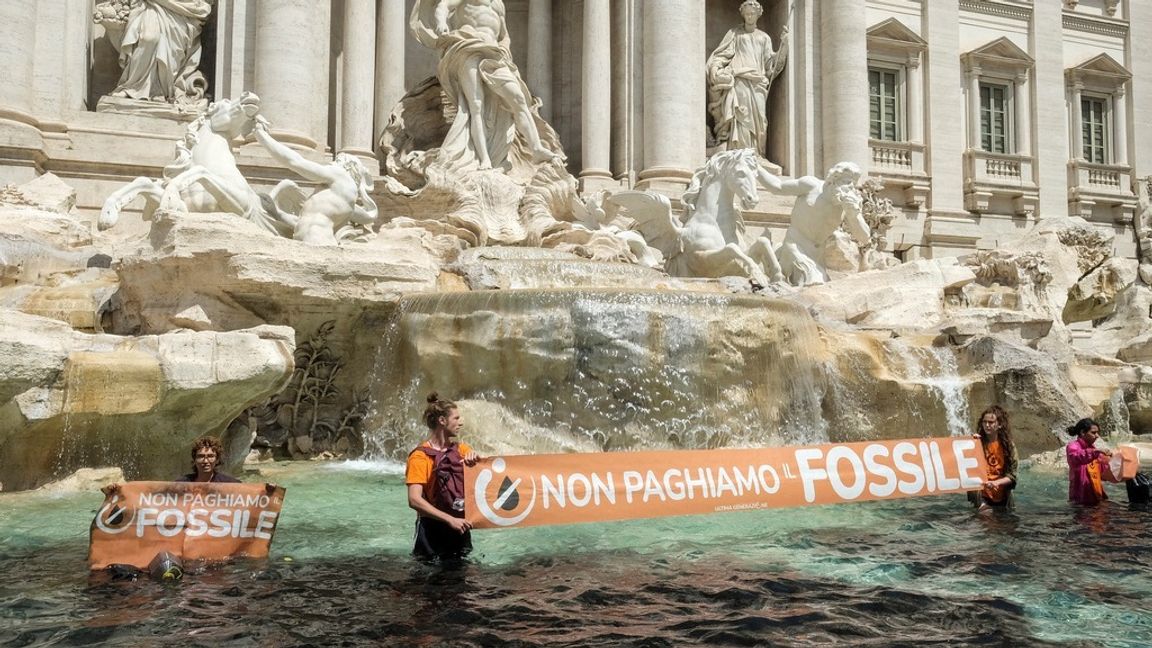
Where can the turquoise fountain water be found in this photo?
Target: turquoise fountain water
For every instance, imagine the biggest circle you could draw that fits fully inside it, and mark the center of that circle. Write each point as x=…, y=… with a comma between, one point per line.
x=910, y=572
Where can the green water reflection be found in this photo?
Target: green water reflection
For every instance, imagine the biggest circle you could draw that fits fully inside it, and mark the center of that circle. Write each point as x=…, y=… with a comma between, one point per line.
x=1078, y=575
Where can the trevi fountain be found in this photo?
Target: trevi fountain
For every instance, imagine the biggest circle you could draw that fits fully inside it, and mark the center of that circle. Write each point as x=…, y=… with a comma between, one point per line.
x=242, y=280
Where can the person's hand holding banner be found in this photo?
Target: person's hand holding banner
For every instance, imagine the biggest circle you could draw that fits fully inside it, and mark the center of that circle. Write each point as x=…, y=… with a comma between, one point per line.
x=191, y=520
x=567, y=488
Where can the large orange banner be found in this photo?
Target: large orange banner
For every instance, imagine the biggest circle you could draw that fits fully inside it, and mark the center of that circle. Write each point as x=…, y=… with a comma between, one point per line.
x=561, y=489
x=190, y=520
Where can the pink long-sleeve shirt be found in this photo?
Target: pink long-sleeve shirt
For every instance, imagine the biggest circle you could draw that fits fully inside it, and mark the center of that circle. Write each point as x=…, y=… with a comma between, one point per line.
x=1080, y=490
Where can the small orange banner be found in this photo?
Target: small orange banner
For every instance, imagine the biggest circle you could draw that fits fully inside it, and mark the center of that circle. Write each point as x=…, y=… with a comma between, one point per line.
x=1123, y=465
x=565, y=488
x=194, y=521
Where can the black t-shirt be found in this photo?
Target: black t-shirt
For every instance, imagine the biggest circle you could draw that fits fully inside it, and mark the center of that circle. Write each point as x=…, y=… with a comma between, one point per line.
x=217, y=477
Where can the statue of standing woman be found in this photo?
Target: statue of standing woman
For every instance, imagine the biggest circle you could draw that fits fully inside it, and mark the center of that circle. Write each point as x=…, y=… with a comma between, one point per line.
x=740, y=73
x=159, y=46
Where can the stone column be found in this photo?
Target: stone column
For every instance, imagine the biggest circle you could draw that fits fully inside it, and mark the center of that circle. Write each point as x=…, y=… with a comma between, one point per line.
x=1120, y=127
x=944, y=138
x=674, y=97
x=1023, y=115
x=292, y=38
x=358, y=90
x=1050, y=92
x=1076, y=132
x=17, y=55
x=392, y=30
x=915, y=99
x=539, y=70
x=844, y=81
x=974, y=108
x=596, y=117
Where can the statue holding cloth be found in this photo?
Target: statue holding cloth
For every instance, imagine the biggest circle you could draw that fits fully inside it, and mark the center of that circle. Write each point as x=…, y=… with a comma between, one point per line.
x=159, y=46
x=496, y=115
x=740, y=73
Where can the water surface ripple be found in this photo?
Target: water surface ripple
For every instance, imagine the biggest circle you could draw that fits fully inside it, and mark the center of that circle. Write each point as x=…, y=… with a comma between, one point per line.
x=911, y=573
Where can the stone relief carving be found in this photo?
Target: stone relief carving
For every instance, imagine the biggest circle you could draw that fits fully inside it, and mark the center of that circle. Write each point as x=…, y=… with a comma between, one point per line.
x=1092, y=246
x=740, y=74
x=342, y=209
x=711, y=241
x=159, y=46
x=308, y=417
x=821, y=208
x=495, y=113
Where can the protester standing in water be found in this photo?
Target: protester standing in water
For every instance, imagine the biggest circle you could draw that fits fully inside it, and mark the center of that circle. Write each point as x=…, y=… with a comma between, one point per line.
x=207, y=455
x=1084, y=485
x=435, y=479
x=995, y=433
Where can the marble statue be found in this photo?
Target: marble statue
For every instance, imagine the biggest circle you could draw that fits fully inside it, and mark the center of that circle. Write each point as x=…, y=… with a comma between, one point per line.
x=159, y=46
x=711, y=240
x=204, y=177
x=479, y=77
x=821, y=207
x=740, y=73
x=341, y=209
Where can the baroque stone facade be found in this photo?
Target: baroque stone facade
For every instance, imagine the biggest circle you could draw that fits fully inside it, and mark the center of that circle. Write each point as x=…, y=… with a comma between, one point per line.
x=979, y=116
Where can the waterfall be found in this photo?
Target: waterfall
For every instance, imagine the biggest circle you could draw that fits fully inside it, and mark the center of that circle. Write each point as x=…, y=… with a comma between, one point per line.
x=936, y=368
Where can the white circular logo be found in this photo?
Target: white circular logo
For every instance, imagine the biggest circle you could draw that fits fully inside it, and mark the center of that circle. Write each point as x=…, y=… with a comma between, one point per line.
x=507, y=496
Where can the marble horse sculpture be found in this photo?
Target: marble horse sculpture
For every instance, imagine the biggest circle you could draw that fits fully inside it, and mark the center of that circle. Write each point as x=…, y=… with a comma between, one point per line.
x=710, y=242
x=204, y=177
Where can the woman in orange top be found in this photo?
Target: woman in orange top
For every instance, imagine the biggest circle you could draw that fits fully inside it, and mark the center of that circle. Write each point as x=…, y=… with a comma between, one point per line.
x=435, y=479
x=995, y=433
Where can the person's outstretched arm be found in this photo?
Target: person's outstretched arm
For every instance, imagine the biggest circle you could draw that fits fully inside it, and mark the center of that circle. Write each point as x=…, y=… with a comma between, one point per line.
x=291, y=159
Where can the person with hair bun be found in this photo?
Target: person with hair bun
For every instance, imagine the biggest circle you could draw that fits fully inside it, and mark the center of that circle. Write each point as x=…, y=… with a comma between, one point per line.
x=435, y=479
x=1084, y=484
x=995, y=434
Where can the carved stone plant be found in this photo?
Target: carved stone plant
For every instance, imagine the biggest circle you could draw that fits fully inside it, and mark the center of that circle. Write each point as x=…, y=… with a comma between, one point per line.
x=309, y=417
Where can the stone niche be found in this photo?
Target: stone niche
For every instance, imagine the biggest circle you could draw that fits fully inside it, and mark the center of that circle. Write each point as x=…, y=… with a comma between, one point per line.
x=104, y=71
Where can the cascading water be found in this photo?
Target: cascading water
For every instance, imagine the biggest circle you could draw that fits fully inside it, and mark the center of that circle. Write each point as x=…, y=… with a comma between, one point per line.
x=936, y=368
x=603, y=369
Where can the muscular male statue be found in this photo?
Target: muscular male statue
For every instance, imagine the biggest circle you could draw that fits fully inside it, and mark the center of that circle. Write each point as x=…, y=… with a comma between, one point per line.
x=478, y=74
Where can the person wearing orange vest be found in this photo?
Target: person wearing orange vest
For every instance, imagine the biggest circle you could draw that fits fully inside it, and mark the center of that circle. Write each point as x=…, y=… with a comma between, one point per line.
x=995, y=434
x=435, y=479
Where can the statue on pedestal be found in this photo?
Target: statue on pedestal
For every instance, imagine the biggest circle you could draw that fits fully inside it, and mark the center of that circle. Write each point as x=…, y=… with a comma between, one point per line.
x=740, y=73
x=159, y=46
x=476, y=72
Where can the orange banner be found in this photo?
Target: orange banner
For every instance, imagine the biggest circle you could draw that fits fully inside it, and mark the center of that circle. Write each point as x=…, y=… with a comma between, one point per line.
x=561, y=489
x=191, y=520
x=1123, y=465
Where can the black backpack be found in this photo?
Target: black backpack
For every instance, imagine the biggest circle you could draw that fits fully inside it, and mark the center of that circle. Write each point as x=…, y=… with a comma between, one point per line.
x=447, y=480
x=1139, y=488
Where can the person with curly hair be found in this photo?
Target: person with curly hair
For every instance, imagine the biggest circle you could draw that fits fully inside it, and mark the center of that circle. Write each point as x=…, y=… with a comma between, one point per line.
x=207, y=455
x=995, y=433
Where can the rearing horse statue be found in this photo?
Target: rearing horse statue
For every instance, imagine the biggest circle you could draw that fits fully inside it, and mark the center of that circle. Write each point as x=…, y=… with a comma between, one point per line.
x=711, y=241
x=204, y=177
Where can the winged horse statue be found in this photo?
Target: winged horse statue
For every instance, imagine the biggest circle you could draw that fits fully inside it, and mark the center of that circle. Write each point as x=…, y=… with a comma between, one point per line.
x=204, y=176
x=710, y=242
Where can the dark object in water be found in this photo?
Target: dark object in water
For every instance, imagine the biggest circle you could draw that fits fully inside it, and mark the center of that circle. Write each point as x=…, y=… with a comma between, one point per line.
x=120, y=572
x=1139, y=488
x=165, y=567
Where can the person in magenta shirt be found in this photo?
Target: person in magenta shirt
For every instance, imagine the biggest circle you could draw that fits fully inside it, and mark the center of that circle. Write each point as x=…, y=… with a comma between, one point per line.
x=1084, y=484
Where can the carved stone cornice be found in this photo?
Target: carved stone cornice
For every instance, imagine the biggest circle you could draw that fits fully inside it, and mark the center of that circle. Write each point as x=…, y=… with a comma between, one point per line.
x=1097, y=25
x=997, y=8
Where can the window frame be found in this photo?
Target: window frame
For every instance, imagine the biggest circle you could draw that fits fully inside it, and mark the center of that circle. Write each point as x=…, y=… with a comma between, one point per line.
x=1009, y=115
x=1106, y=133
x=900, y=94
